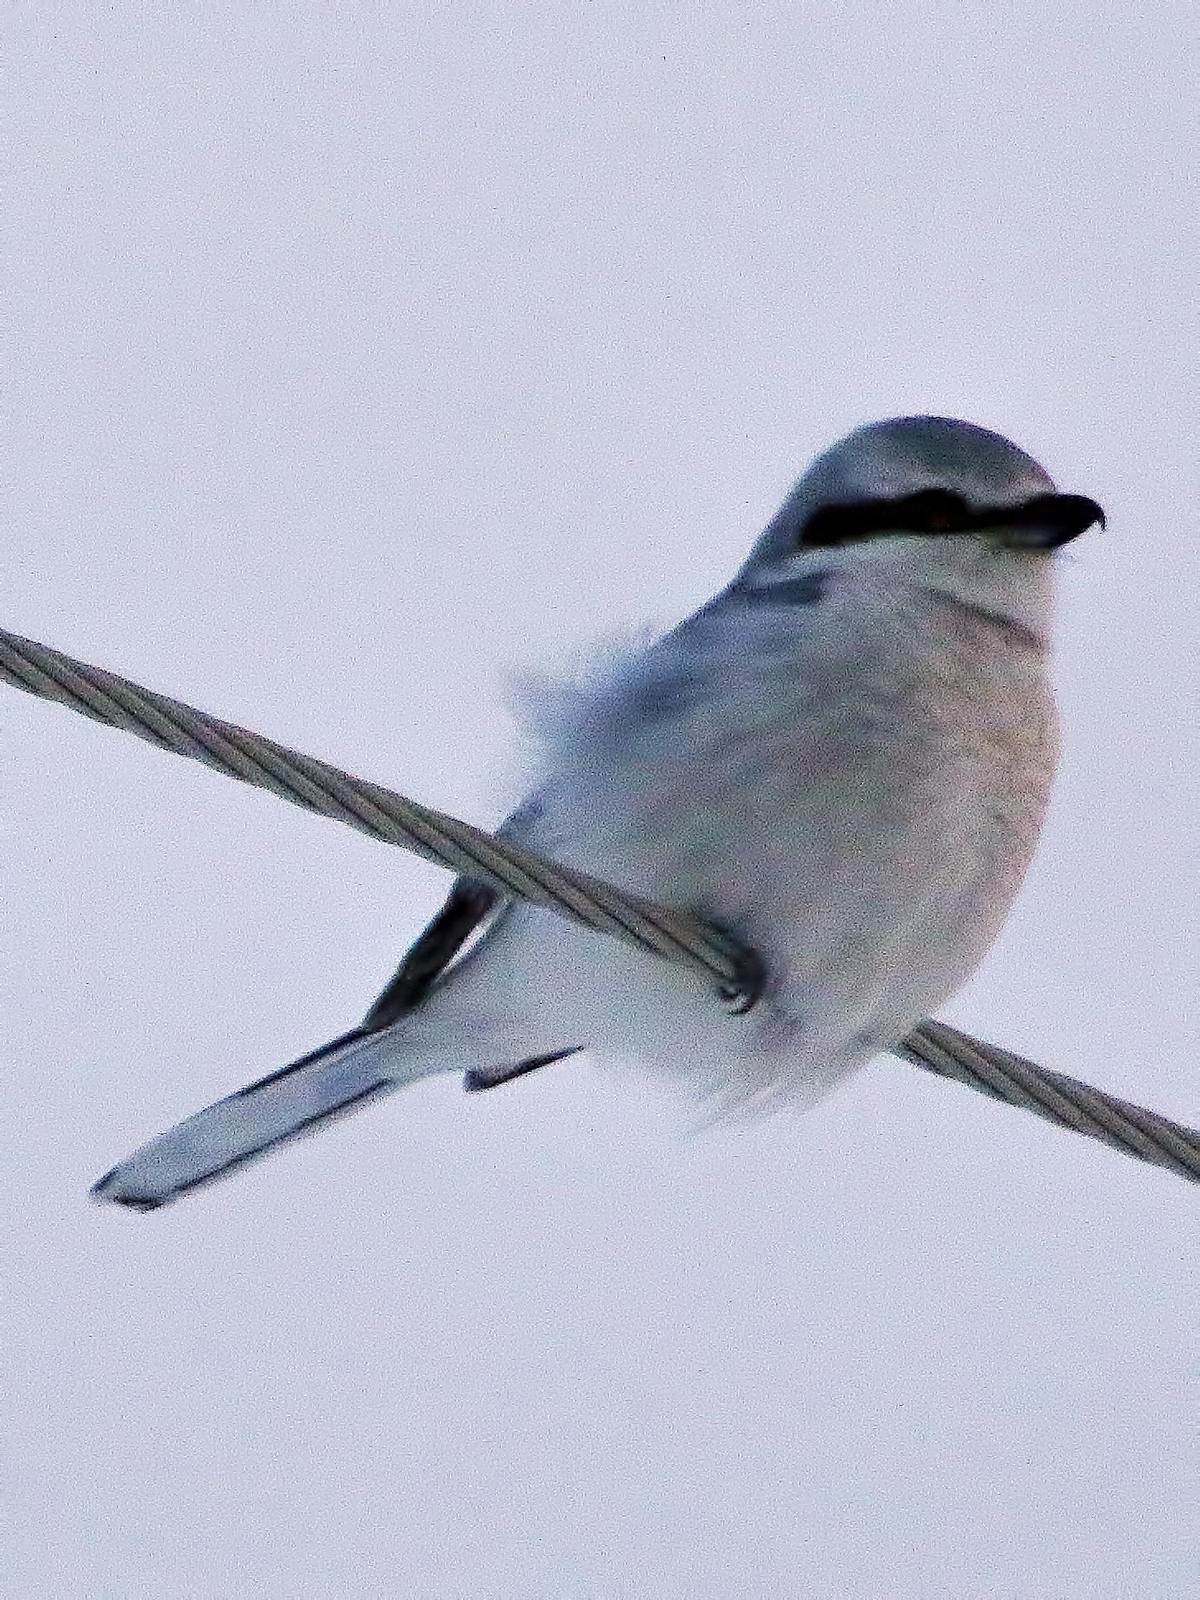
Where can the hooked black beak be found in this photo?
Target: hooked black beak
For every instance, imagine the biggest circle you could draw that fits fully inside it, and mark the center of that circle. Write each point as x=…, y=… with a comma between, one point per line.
x=1047, y=521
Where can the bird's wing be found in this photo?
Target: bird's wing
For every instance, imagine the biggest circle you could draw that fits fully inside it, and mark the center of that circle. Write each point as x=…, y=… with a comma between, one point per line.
x=466, y=909
x=465, y=913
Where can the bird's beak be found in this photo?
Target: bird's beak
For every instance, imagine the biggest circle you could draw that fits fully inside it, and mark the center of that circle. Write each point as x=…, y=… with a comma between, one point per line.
x=1047, y=521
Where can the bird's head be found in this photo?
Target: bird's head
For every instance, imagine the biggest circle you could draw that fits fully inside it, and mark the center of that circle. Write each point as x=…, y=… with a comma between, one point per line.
x=943, y=504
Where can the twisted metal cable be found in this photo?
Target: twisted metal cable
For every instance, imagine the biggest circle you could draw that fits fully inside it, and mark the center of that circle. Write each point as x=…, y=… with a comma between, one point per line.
x=1065, y=1101
x=517, y=872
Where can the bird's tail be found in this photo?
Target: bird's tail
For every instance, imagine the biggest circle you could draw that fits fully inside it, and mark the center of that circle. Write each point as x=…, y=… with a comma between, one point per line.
x=327, y=1083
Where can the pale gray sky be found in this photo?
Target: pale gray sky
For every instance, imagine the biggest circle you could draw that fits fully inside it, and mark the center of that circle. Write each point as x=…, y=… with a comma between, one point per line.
x=363, y=352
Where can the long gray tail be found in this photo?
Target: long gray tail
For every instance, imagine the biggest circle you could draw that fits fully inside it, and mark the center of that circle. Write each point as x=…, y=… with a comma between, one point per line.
x=337, y=1078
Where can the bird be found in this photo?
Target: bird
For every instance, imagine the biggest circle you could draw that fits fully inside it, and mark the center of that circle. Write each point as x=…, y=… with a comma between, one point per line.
x=843, y=759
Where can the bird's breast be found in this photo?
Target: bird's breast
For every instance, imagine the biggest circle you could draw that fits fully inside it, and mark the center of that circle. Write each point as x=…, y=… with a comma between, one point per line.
x=860, y=800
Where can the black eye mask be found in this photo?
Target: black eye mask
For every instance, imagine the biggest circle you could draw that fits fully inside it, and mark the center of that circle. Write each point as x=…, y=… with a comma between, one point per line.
x=1041, y=523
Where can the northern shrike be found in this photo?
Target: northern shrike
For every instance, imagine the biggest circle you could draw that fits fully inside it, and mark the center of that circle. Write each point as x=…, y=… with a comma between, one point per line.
x=843, y=759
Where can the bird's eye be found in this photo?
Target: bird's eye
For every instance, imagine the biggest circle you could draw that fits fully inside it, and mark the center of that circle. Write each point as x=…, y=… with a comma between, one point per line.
x=926, y=511
x=933, y=511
